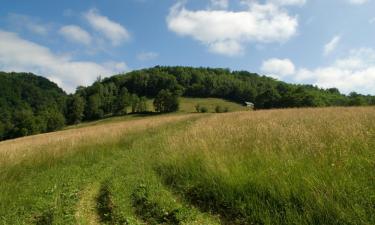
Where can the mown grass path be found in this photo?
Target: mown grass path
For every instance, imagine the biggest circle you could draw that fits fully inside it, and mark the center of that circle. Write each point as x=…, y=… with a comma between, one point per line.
x=86, y=212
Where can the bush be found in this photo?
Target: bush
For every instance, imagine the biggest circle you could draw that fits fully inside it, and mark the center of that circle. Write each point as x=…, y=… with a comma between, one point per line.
x=166, y=101
x=219, y=109
x=197, y=108
x=203, y=109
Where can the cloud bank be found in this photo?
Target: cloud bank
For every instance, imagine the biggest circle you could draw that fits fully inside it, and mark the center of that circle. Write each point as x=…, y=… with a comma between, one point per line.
x=17, y=54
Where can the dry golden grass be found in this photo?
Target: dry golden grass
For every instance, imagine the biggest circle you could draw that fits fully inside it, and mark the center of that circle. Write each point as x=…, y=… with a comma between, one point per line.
x=61, y=142
x=307, y=131
x=291, y=166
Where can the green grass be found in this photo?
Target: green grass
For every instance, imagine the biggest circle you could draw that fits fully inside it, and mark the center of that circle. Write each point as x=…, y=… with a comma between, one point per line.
x=298, y=166
x=187, y=105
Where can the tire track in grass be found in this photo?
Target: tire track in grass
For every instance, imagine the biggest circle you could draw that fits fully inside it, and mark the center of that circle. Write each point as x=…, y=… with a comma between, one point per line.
x=169, y=211
x=86, y=213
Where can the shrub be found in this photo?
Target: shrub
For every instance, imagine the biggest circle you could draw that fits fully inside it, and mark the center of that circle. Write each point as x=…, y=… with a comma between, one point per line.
x=166, y=101
x=203, y=109
x=219, y=109
x=197, y=108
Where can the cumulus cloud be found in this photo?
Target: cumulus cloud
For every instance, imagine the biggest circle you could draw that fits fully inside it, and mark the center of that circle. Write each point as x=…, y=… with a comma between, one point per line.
x=146, y=56
x=332, y=45
x=357, y=2
x=111, y=30
x=278, y=68
x=75, y=34
x=355, y=72
x=17, y=54
x=226, y=32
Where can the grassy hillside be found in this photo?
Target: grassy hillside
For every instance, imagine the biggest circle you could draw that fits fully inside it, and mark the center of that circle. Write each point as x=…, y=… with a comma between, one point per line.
x=187, y=105
x=295, y=166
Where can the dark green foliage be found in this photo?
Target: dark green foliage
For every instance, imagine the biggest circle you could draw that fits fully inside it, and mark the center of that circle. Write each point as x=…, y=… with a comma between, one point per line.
x=52, y=120
x=153, y=213
x=105, y=204
x=46, y=218
x=238, y=86
x=74, y=109
x=203, y=109
x=123, y=101
x=166, y=101
x=197, y=107
x=29, y=104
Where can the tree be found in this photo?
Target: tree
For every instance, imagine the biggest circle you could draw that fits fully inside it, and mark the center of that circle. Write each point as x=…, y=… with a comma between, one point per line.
x=123, y=101
x=2, y=131
x=142, y=104
x=75, y=109
x=54, y=120
x=134, y=103
x=166, y=101
x=24, y=124
x=93, y=109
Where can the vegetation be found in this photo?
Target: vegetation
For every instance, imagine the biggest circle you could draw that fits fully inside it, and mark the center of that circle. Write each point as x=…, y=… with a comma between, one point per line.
x=166, y=101
x=30, y=104
x=291, y=166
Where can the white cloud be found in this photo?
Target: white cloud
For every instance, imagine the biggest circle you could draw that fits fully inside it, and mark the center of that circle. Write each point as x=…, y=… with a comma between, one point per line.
x=17, y=54
x=332, y=45
x=75, y=34
x=289, y=2
x=355, y=72
x=357, y=2
x=113, y=31
x=372, y=20
x=29, y=23
x=226, y=32
x=221, y=4
x=278, y=67
x=146, y=56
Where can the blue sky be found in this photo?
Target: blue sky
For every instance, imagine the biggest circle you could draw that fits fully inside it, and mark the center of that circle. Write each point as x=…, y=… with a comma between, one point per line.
x=329, y=43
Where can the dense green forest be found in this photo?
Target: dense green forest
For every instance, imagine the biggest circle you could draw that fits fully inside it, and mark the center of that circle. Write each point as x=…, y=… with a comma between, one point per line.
x=30, y=104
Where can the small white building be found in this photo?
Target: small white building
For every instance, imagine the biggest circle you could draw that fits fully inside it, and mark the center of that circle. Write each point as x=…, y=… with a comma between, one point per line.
x=249, y=105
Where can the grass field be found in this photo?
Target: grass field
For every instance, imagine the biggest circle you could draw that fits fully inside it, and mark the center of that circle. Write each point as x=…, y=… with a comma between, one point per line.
x=292, y=166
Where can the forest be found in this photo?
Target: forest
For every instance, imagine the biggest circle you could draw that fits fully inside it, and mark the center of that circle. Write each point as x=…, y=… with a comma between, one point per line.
x=30, y=104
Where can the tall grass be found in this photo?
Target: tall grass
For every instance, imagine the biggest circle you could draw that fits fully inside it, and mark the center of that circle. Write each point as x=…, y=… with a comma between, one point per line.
x=309, y=166
x=294, y=166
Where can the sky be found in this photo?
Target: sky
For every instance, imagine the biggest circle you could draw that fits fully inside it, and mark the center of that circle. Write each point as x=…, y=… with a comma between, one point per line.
x=328, y=43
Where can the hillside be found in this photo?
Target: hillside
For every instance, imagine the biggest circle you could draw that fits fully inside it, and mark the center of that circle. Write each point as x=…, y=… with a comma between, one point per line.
x=29, y=104
x=291, y=166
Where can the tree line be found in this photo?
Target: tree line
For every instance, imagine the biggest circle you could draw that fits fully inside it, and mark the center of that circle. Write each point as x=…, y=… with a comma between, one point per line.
x=31, y=104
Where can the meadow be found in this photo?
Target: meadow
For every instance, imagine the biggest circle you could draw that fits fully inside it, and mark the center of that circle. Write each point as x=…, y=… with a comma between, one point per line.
x=289, y=166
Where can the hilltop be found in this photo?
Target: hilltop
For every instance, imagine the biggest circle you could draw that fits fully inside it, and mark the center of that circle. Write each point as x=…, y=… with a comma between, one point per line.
x=31, y=104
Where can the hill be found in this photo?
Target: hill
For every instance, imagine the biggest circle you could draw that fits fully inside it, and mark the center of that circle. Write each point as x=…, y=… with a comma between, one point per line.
x=29, y=104
x=123, y=93
x=290, y=166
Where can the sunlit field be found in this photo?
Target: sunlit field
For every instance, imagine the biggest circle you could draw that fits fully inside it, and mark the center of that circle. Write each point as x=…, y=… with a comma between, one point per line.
x=292, y=166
